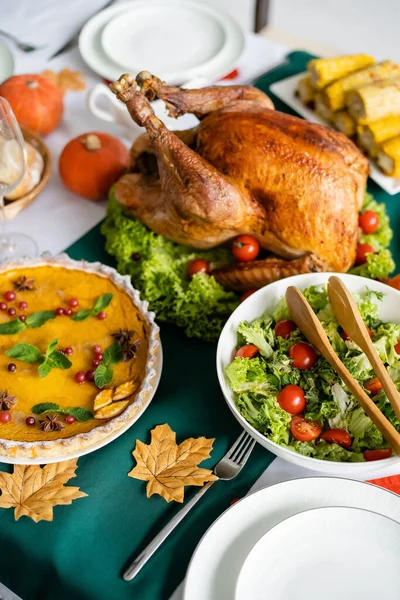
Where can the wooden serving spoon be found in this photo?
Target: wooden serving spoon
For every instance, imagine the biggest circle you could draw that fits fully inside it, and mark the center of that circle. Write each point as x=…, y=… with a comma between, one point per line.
x=348, y=316
x=305, y=319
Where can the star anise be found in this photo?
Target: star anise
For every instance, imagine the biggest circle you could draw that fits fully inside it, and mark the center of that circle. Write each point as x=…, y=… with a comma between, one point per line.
x=123, y=336
x=6, y=401
x=23, y=284
x=51, y=423
x=129, y=350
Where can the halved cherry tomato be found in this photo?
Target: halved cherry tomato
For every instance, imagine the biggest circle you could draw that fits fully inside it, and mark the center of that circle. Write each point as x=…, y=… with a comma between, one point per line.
x=284, y=328
x=303, y=356
x=368, y=221
x=246, y=295
x=337, y=436
x=291, y=398
x=198, y=265
x=397, y=347
x=245, y=248
x=247, y=351
x=394, y=282
x=373, y=386
x=362, y=251
x=304, y=430
x=378, y=454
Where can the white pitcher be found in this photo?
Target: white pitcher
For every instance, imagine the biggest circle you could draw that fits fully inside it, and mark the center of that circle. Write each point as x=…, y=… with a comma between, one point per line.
x=115, y=111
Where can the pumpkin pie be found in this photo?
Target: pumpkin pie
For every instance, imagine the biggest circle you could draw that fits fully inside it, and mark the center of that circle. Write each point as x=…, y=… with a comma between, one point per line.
x=78, y=350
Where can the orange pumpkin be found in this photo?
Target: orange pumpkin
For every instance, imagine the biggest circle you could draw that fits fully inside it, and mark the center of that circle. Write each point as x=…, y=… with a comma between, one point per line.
x=36, y=101
x=91, y=163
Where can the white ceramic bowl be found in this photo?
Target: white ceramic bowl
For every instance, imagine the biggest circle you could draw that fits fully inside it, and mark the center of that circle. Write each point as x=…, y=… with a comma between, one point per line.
x=266, y=299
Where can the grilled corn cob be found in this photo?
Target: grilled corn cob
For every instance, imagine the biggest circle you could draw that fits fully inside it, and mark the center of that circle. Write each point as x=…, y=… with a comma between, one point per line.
x=345, y=123
x=389, y=157
x=322, y=109
x=375, y=101
x=334, y=94
x=370, y=135
x=325, y=70
x=305, y=90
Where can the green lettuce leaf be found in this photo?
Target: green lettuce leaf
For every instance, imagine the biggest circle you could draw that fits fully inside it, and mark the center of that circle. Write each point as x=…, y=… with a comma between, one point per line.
x=382, y=237
x=324, y=451
x=158, y=268
x=378, y=265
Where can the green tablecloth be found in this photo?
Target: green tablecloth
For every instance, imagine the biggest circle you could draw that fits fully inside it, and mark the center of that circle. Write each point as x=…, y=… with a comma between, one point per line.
x=82, y=553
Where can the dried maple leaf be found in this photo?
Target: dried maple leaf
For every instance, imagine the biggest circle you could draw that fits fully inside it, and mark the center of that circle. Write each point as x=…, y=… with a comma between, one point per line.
x=168, y=467
x=33, y=491
x=66, y=79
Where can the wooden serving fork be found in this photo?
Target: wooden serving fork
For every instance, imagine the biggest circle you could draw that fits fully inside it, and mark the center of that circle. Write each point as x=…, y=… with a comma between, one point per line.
x=348, y=316
x=308, y=323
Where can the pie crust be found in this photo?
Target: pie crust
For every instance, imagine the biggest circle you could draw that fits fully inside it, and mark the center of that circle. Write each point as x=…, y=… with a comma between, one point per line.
x=65, y=446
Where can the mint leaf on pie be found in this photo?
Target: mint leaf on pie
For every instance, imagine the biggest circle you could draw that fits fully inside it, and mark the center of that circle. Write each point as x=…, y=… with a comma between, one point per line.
x=81, y=315
x=25, y=352
x=44, y=368
x=101, y=303
x=51, y=347
x=113, y=354
x=58, y=360
x=80, y=413
x=38, y=409
x=38, y=319
x=12, y=327
x=103, y=375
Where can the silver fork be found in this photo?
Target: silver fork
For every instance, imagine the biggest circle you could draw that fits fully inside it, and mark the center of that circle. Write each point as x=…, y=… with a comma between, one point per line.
x=227, y=468
x=20, y=45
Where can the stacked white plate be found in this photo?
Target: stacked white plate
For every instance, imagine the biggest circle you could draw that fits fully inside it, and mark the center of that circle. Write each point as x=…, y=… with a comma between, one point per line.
x=174, y=39
x=308, y=538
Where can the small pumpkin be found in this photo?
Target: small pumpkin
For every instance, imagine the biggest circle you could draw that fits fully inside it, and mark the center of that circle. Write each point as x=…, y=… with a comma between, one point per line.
x=36, y=101
x=91, y=163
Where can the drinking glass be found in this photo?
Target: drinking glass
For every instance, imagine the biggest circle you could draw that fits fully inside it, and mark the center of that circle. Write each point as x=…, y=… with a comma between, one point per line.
x=12, y=170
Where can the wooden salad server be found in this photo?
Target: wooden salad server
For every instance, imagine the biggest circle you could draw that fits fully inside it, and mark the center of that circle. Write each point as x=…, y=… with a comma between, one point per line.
x=348, y=316
x=308, y=323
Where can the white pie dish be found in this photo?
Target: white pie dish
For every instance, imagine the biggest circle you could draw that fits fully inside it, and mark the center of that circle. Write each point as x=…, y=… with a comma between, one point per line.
x=266, y=299
x=64, y=448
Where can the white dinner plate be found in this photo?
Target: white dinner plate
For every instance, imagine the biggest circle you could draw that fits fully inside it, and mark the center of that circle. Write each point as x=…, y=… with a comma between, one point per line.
x=304, y=554
x=206, y=44
x=107, y=440
x=220, y=555
x=285, y=91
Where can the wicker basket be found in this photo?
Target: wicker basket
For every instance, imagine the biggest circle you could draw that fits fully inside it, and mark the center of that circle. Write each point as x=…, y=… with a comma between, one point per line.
x=12, y=209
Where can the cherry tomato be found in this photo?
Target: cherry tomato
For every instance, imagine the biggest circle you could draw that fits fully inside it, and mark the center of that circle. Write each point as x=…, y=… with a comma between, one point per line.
x=373, y=386
x=304, y=430
x=284, y=328
x=394, y=282
x=368, y=221
x=378, y=454
x=397, y=347
x=337, y=436
x=246, y=295
x=291, y=398
x=362, y=251
x=198, y=265
x=245, y=248
x=303, y=356
x=248, y=351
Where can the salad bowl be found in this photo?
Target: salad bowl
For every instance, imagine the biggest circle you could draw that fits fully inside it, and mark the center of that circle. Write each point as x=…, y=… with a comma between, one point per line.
x=266, y=300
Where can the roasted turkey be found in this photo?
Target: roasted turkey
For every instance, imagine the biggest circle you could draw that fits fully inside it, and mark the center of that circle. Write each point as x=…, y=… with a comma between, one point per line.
x=246, y=168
